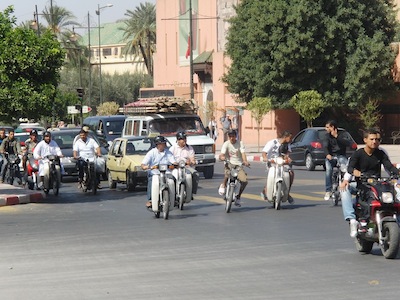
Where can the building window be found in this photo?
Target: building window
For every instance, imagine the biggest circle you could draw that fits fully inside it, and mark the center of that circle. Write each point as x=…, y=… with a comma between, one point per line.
x=107, y=51
x=115, y=51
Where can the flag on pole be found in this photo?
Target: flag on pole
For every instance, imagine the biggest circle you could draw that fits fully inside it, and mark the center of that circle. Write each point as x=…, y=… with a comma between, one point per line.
x=188, y=48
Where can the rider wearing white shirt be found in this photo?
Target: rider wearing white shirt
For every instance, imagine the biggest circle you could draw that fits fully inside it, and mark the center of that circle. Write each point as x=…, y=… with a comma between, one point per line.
x=86, y=148
x=182, y=151
x=44, y=148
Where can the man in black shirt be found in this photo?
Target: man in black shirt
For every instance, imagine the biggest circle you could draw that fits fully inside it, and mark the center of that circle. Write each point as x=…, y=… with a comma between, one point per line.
x=367, y=160
x=334, y=146
x=12, y=146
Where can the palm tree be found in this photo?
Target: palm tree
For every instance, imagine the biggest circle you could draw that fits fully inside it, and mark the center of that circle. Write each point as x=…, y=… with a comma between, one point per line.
x=140, y=33
x=58, y=19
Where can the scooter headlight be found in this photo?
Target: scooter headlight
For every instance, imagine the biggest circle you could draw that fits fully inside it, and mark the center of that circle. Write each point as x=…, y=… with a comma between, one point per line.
x=163, y=168
x=279, y=160
x=182, y=164
x=387, y=197
x=234, y=172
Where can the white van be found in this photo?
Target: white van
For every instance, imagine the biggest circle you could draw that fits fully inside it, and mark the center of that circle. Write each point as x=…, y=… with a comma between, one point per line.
x=168, y=125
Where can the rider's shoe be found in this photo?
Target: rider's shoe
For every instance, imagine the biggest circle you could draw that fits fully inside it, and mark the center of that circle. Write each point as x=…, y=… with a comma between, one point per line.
x=353, y=228
x=263, y=196
x=237, y=202
x=327, y=196
x=221, y=190
x=99, y=187
x=362, y=228
x=149, y=205
x=290, y=199
x=40, y=186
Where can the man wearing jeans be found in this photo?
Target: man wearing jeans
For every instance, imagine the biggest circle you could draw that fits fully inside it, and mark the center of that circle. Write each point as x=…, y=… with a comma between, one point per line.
x=367, y=161
x=334, y=145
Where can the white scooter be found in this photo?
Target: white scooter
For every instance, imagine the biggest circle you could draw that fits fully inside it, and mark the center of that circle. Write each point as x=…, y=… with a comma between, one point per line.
x=278, y=182
x=183, y=184
x=162, y=191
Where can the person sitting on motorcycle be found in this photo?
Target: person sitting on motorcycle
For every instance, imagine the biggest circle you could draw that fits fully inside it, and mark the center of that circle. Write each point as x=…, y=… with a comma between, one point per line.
x=234, y=151
x=334, y=145
x=274, y=148
x=44, y=148
x=30, y=145
x=85, y=148
x=2, y=137
x=11, y=146
x=182, y=151
x=367, y=160
x=158, y=155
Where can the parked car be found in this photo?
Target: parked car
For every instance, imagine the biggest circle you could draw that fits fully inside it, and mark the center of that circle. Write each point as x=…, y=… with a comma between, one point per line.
x=106, y=127
x=307, y=147
x=6, y=128
x=65, y=139
x=124, y=161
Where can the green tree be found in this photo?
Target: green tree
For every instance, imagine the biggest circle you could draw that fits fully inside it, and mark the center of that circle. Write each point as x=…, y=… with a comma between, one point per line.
x=369, y=113
x=107, y=108
x=308, y=104
x=29, y=70
x=140, y=33
x=259, y=107
x=339, y=48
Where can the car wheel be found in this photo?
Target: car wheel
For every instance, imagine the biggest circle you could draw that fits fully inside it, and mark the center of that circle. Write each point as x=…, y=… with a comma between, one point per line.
x=130, y=181
x=310, y=166
x=111, y=183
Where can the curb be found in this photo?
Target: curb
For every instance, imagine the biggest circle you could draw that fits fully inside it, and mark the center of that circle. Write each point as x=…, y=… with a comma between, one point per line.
x=19, y=196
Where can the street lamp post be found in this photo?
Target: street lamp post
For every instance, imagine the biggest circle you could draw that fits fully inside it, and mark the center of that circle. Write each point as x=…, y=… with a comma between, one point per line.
x=98, y=14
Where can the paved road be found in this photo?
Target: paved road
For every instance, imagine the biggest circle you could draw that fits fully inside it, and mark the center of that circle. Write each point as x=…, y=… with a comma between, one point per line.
x=107, y=246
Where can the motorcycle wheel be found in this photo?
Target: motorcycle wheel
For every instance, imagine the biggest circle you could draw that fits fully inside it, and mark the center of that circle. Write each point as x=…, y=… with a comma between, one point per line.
x=181, y=196
x=10, y=176
x=278, y=197
x=93, y=180
x=166, y=203
x=390, y=236
x=229, y=198
x=363, y=245
x=55, y=184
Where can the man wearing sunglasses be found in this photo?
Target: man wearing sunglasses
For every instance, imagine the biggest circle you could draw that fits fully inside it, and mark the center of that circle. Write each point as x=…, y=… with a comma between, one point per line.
x=367, y=160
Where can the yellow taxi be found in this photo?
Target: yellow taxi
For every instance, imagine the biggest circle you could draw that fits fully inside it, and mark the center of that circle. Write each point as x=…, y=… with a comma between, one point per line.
x=124, y=159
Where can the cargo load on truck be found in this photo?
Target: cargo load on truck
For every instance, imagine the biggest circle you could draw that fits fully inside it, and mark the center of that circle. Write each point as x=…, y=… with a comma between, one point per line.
x=170, y=105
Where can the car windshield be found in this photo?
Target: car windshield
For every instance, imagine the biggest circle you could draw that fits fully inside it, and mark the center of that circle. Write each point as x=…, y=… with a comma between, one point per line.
x=139, y=147
x=170, y=126
x=114, y=127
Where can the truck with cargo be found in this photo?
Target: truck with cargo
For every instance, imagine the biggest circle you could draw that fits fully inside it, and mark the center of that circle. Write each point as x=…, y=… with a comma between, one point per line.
x=167, y=116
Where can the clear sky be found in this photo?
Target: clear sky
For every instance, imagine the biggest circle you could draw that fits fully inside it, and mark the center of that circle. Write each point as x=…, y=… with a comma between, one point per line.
x=24, y=9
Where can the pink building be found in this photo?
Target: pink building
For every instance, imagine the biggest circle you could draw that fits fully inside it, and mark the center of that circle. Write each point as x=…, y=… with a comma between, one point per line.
x=172, y=66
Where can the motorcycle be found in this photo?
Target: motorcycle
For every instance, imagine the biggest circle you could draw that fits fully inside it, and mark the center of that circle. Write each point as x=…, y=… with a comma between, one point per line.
x=89, y=182
x=378, y=196
x=54, y=174
x=337, y=176
x=278, y=181
x=12, y=171
x=32, y=168
x=183, y=186
x=162, y=191
x=232, y=186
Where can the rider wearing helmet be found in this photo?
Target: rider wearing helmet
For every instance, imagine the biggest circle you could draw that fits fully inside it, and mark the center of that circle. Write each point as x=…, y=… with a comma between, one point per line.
x=30, y=145
x=182, y=151
x=44, y=148
x=158, y=155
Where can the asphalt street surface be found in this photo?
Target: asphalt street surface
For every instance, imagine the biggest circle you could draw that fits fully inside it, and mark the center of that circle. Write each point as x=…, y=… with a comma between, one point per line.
x=108, y=246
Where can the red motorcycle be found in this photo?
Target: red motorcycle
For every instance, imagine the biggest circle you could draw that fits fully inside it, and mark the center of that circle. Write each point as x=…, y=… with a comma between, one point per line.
x=377, y=210
x=32, y=168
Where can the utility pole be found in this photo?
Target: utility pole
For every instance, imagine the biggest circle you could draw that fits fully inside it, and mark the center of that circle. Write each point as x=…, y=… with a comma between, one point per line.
x=191, y=50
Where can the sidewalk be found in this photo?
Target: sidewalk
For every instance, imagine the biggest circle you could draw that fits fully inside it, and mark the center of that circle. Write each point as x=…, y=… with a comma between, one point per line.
x=11, y=195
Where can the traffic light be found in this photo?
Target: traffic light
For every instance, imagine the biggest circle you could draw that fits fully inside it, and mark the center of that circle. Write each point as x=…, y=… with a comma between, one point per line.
x=80, y=92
